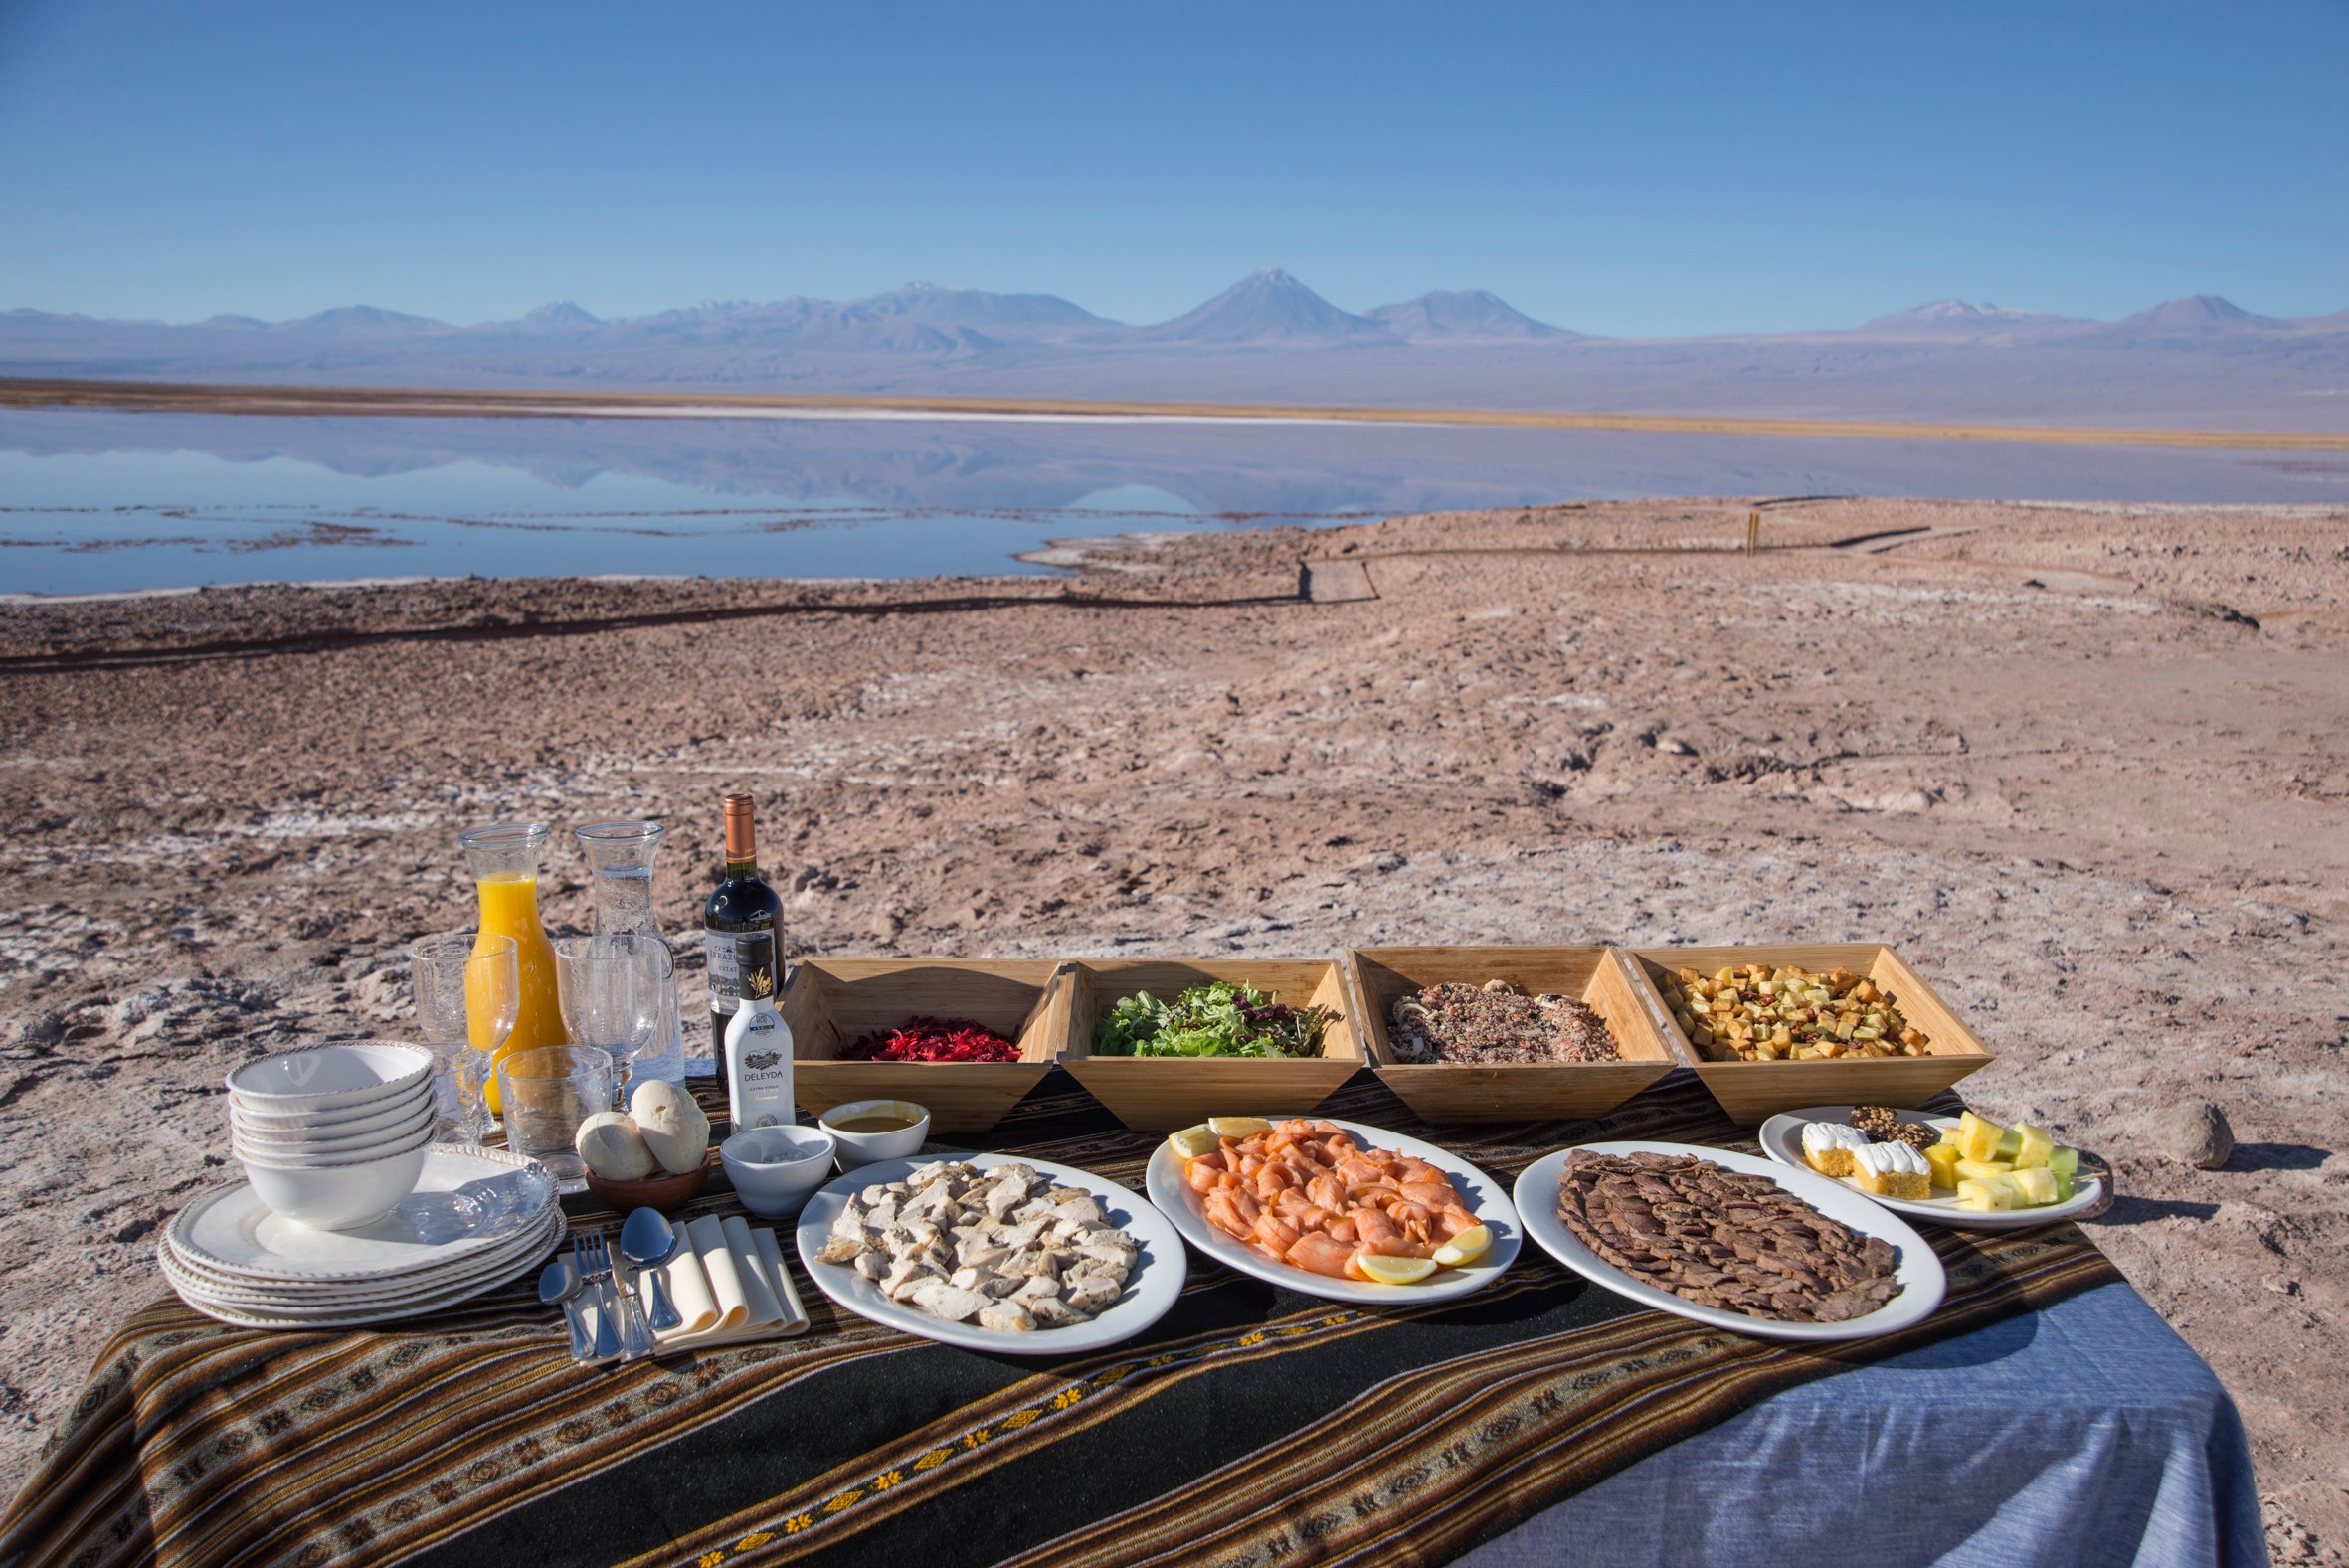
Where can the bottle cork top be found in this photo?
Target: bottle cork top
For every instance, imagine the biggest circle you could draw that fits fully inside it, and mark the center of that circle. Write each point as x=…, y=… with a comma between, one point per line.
x=741, y=835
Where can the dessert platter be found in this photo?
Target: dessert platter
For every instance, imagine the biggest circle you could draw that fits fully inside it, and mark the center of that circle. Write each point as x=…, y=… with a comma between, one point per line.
x=475, y=1218
x=1731, y=1240
x=993, y=1252
x=1335, y=1209
x=1923, y=1166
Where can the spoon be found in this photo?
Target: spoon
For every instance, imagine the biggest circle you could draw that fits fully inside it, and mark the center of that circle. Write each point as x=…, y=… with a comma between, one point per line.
x=558, y=1284
x=647, y=1241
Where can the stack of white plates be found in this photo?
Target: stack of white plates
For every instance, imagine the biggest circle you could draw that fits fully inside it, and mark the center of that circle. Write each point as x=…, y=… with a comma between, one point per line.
x=476, y=1219
x=333, y=1135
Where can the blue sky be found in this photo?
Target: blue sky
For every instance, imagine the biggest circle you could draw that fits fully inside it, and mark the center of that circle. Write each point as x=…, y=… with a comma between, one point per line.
x=1703, y=168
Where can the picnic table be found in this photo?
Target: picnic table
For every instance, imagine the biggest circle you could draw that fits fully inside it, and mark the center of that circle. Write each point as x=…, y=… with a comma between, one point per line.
x=2042, y=1415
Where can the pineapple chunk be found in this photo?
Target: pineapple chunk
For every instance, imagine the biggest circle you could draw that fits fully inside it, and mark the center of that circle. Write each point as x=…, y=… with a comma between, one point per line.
x=1942, y=1158
x=2033, y=1146
x=1978, y=1137
x=1986, y=1196
x=2038, y=1184
x=1983, y=1169
x=2064, y=1160
x=2010, y=1187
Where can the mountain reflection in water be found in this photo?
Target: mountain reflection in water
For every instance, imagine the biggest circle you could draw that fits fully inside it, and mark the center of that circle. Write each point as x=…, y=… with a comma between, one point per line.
x=97, y=500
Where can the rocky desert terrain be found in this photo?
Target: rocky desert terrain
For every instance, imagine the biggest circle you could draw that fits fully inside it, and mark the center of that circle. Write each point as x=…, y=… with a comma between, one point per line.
x=2087, y=767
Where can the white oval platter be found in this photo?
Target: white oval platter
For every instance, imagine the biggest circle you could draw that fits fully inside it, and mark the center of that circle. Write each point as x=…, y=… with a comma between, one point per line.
x=1150, y=1289
x=1781, y=1139
x=1920, y=1274
x=1482, y=1195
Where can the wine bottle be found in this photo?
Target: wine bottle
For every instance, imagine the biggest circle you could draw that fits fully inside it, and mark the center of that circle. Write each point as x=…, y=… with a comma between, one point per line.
x=742, y=904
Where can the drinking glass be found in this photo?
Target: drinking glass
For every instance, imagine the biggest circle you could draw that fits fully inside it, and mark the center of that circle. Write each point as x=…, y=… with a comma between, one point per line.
x=621, y=854
x=546, y=1094
x=611, y=988
x=469, y=991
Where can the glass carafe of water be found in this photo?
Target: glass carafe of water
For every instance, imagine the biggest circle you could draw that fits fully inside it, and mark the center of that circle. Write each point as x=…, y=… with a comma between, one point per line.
x=621, y=855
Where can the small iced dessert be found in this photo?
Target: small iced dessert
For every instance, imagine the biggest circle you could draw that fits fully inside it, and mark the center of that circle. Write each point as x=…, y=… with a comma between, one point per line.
x=1892, y=1171
x=1830, y=1146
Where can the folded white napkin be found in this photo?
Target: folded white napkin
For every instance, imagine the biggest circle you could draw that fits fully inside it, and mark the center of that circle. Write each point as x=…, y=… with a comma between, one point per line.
x=728, y=1282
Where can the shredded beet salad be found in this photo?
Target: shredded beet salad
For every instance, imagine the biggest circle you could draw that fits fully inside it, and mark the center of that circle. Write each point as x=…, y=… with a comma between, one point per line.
x=936, y=1040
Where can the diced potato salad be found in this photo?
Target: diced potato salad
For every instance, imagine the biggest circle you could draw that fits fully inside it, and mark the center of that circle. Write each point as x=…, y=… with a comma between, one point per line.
x=1766, y=1014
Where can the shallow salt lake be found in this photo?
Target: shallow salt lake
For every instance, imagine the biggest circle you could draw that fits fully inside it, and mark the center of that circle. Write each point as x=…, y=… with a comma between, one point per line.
x=96, y=500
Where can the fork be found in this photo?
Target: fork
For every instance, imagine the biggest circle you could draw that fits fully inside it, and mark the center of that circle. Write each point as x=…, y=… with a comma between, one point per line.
x=586, y=1252
x=636, y=1338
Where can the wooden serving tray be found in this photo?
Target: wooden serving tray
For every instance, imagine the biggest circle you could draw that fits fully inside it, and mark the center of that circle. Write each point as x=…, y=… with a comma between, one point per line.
x=830, y=1003
x=1157, y=1094
x=1754, y=1092
x=1460, y=1094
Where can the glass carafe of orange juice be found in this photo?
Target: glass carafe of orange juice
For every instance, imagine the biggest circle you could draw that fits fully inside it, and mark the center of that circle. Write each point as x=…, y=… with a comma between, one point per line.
x=504, y=861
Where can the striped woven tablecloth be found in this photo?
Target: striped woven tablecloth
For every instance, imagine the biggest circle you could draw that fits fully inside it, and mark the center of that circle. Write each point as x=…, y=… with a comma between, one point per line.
x=1252, y=1426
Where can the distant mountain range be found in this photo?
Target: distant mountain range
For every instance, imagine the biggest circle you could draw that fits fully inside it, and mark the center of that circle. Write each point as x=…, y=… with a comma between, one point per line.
x=1270, y=338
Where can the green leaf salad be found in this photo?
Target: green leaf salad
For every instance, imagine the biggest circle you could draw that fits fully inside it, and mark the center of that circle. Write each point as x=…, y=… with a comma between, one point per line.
x=1218, y=1019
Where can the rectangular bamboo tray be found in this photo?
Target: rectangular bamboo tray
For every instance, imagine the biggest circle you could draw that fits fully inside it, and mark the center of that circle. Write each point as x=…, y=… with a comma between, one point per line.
x=1754, y=1092
x=1461, y=1093
x=831, y=1003
x=1157, y=1094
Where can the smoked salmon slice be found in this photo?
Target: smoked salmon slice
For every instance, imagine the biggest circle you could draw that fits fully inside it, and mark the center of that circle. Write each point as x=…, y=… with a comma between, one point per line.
x=1304, y=1193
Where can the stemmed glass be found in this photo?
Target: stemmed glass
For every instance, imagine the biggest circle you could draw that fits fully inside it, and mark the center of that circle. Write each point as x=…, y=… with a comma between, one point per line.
x=469, y=992
x=611, y=988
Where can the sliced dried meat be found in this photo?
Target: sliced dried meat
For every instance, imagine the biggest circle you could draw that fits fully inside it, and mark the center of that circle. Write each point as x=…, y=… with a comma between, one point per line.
x=1724, y=1239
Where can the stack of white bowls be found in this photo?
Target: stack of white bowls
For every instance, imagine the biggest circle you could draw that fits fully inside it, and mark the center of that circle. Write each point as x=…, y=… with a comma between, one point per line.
x=334, y=1137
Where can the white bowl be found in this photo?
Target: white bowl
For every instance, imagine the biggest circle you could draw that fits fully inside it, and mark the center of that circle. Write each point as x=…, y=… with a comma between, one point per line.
x=862, y=1148
x=332, y=1123
x=365, y=1130
x=775, y=1170
x=330, y=1077
x=292, y=1158
x=338, y=1197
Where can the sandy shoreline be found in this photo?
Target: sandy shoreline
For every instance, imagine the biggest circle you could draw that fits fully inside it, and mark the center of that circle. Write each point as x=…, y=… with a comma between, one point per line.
x=2088, y=770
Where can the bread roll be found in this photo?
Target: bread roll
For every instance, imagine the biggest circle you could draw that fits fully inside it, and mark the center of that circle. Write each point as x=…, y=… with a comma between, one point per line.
x=672, y=1125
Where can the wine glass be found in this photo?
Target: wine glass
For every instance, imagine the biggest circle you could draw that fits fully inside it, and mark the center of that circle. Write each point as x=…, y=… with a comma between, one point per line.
x=611, y=988
x=469, y=992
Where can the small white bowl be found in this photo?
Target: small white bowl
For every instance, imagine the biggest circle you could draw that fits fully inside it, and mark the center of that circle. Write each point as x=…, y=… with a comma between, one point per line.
x=301, y=1157
x=338, y=1197
x=329, y=1078
x=863, y=1148
x=775, y=1170
x=341, y=1135
x=333, y=1123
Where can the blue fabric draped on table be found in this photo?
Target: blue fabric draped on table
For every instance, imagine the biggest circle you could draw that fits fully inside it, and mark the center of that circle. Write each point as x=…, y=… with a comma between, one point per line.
x=2085, y=1434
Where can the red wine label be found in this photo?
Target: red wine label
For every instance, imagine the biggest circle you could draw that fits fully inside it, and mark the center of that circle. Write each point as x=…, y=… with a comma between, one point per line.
x=725, y=970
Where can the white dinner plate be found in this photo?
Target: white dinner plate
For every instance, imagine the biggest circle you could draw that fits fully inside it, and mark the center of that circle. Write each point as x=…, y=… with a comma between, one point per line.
x=1478, y=1192
x=520, y=1265
x=1153, y=1285
x=1919, y=1272
x=466, y=1200
x=1782, y=1139
x=234, y=1290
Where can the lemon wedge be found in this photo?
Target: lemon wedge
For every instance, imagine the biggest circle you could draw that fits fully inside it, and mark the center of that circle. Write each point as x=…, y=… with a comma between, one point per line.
x=1396, y=1271
x=1192, y=1142
x=1237, y=1126
x=1466, y=1247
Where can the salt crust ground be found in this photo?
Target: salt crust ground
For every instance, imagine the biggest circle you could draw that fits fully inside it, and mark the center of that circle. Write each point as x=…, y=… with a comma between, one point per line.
x=2090, y=769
